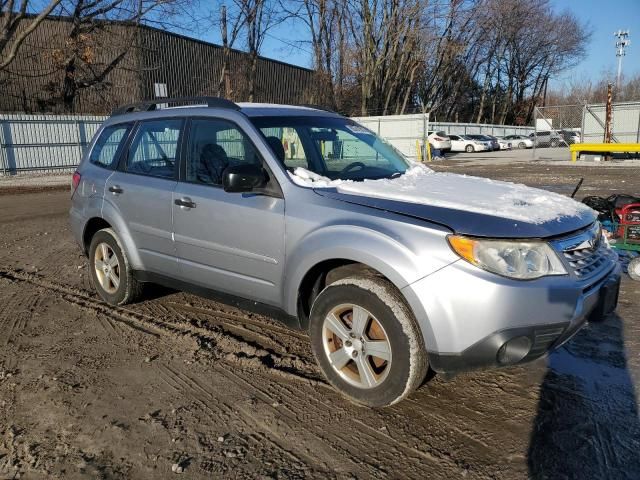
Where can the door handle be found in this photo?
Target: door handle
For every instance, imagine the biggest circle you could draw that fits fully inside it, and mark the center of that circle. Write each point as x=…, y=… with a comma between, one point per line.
x=185, y=202
x=115, y=189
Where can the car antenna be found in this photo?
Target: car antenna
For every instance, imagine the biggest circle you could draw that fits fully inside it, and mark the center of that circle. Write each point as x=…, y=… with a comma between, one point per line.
x=575, y=190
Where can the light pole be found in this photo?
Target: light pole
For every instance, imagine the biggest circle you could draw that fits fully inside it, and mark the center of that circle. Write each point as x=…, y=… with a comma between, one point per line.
x=621, y=43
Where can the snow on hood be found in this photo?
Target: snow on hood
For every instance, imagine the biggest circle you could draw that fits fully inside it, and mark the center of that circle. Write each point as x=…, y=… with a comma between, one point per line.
x=422, y=185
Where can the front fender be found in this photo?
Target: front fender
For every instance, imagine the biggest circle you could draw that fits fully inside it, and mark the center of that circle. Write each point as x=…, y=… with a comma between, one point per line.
x=381, y=252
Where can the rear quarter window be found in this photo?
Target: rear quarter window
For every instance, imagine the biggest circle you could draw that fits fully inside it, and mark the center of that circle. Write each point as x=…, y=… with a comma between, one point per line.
x=109, y=145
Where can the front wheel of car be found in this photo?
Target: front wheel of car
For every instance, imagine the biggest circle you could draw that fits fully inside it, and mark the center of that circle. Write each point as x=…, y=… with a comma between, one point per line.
x=367, y=342
x=469, y=149
x=110, y=271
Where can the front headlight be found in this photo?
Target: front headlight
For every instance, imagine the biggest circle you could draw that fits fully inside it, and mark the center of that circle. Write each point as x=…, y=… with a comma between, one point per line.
x=513, y=259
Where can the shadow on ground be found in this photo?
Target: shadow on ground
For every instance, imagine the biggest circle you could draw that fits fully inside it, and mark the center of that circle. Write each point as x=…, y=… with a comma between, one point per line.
x=587, y=424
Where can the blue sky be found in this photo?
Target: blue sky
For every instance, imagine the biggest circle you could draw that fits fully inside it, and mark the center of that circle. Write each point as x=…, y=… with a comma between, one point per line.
x=602, y=17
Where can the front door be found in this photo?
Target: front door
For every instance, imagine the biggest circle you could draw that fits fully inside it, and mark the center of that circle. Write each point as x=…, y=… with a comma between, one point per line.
x=142, y=190
x=230, y=242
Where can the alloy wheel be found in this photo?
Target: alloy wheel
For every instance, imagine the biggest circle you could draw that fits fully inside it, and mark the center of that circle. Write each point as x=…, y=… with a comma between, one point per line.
x=107, y=268
x=357, y=346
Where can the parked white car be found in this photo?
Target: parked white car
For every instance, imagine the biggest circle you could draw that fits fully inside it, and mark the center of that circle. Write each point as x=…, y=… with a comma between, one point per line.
x=462, y=143
x=504, y=143
x=439, y=140
x=519, y=141
x=501, y=142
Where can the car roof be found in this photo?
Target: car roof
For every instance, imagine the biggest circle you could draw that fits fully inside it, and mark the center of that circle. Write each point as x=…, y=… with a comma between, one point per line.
x=277, y=110
x=249, y=109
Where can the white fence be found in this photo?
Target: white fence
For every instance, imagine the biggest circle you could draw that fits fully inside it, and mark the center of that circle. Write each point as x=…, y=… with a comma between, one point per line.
x=44, y=142
x=625, y=123
x=408, y=133
x=56, y=142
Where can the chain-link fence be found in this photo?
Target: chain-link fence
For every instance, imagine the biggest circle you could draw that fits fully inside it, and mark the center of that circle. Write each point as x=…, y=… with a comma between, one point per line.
x=558, y=127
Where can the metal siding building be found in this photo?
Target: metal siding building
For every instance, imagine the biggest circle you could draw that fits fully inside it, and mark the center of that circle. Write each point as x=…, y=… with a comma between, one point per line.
x=155, y=60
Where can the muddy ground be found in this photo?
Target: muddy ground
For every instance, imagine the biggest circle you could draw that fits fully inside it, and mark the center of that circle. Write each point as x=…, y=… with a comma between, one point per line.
x=176, y=382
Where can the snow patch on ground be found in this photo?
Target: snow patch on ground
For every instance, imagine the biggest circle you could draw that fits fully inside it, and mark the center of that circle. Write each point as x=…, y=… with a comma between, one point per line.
x=461, y=192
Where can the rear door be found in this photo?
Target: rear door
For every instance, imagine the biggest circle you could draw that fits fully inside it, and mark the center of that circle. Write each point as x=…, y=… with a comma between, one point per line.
x=99, y=166
x=457, y=143
x=142, y=191
x=230, y=242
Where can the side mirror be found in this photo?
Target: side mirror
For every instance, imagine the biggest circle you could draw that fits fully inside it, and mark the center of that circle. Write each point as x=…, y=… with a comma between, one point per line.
x=243, y=178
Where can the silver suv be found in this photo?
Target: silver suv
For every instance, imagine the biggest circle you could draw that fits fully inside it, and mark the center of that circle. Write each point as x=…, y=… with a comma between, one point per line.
x=393, y=269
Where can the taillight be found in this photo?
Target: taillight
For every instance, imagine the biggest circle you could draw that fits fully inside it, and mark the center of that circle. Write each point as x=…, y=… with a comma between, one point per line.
x=438, y=139
x=75, y=181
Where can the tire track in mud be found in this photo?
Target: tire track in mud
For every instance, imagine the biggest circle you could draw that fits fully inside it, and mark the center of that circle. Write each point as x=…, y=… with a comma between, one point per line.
x=262, y=436
x=223, y=345
x=350, y=423
x=16, y=313
x=235, y=352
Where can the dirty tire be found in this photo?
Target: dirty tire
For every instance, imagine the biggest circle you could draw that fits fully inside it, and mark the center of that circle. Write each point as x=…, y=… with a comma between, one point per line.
x=521, y=145
x=409, y=364
x=633, y=269
x=469, y=149
x=129, y=289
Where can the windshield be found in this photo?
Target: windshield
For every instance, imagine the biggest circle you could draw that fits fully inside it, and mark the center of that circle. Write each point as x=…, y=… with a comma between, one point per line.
x=337, y=148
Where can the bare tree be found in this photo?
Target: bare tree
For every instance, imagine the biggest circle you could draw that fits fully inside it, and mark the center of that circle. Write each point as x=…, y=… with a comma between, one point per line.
x=101, y=35
x=12, y=36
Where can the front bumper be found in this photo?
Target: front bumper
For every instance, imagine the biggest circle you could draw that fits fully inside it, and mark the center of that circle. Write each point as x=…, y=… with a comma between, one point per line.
x=473, y=319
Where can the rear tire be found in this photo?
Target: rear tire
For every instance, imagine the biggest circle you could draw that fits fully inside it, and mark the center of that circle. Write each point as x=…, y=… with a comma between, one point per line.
x=521, y=145
x=111, y=274
x=633, y=269
x=469, y=149
x=367, y=342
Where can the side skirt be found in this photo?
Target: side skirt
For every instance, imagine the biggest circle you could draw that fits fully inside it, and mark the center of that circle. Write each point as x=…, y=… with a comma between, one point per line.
x=226, y=298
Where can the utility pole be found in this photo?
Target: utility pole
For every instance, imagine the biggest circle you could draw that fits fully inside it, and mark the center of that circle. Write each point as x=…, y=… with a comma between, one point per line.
x=622, y=43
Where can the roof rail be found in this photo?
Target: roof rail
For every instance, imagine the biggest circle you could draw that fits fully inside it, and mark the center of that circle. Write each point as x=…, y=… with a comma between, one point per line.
x=317, y=107
x=150, y=105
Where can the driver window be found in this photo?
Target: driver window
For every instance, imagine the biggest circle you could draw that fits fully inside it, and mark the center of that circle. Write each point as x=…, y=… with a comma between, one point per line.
x=214, y=145
x=154, y=149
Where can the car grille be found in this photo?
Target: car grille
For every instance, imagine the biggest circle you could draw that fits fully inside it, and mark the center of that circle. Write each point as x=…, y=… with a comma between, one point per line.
x=584, y=254
x=586, y=261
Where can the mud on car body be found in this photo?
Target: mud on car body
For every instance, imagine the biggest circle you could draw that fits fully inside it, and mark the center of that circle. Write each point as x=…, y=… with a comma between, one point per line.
x=311, y=217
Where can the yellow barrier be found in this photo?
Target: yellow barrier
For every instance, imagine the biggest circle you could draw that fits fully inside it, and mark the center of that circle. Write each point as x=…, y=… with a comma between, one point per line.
x=579, y=148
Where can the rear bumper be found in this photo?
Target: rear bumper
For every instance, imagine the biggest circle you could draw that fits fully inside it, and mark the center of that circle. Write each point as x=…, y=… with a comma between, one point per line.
x=76, y=222
x=475, y=320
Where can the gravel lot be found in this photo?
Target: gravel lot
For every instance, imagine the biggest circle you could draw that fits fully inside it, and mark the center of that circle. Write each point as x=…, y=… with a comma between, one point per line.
x=178, y=384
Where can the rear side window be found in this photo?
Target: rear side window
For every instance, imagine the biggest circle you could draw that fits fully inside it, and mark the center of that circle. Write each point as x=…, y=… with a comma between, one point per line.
x=109, y=145
x=154, y=149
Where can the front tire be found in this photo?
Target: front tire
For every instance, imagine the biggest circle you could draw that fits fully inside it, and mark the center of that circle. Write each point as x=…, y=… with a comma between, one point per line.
x=367, y=342
x=469, y=149
x=110, y=271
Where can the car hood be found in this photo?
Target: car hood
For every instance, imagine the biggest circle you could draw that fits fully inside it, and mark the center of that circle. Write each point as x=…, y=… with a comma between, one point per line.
x=469, y=205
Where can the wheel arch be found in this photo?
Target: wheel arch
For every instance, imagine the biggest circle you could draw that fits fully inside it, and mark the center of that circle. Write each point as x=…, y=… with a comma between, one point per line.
x=110, y=219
